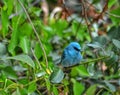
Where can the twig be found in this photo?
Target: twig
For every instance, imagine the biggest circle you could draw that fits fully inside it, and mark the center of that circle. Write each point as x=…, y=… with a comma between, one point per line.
x=93, y=60
x=104, y=57
x=78, y=27
x=36, y=59
x=41, y=45
x=114, y=15
x=85, y=14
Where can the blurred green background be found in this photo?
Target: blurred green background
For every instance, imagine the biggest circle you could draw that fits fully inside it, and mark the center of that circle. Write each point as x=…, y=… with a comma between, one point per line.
x=33, y=34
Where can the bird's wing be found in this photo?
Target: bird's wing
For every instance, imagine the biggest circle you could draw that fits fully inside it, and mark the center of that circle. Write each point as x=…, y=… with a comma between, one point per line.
x=63, y=55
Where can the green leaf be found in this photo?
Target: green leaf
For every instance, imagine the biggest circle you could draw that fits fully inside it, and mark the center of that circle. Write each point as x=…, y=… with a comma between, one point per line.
x=2, y=49
x=106, y=93
x=13, y=42
x=38, y=50
x=48, y=84
x=81, y=34
x=111, y=86
x=9, y=72
x=59, y=26
x=111, y=3
x=95, y=45
x=82, y=70
x=9, y=5
x=100, y=40
x=47, y=29
x=23, y=81
x=55, y=91
x=114, y=33
x=116, y=43
x=23, y=91
x=113, y=58
x=91, y=90
x=78, y=88
x=25, y=44
x=32, y=87
x=57, y=75
x=3, y=92
x=17, y=92
x=5, y=22
x=90, y=69
x=75, y=26
x=24, y=58
x=40, y=74
x=26, y=29
x=114, y=76
x=15, y=35
x=115, y=20
x=10, y=83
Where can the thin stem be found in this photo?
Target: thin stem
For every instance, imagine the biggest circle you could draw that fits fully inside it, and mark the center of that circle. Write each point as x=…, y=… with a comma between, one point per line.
x=85, y=14
x=114, y=15
x=93, y=60
x=104, y=57
x=36, y=59
x=78, y=27
x=31, y=82
x=41, y=45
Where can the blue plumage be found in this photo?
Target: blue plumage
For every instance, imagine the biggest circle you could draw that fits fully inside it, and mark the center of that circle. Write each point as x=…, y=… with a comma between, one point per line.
x=71, y=55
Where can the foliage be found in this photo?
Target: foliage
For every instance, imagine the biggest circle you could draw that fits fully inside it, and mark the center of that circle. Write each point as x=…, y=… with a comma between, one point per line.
x=23, y=66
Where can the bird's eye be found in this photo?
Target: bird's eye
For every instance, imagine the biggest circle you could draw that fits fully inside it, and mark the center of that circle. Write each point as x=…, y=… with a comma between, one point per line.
x=76, y=49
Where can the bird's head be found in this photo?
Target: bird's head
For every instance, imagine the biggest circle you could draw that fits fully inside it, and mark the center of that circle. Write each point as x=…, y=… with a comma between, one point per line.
x=76, y=46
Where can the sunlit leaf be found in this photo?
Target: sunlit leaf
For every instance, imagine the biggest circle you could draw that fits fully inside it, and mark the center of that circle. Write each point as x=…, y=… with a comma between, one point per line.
x=40, y=74
x=23, y=91
x=5, y=22
x=48, y=84
x=95, y=45
x=17, y=92
x=116, y=43
x=91, y=90
x=115, y=20
x=90, y=69
x=78, y=88
x=111, y=3
x=32, y=87
x=3, y=92
x=25, y=44
x=24, y=58
x=82, y=71
x=9, y=5
x=75, y=26
x=15, y=35
x=55, y=90
x=38, y=50
x=26, y=29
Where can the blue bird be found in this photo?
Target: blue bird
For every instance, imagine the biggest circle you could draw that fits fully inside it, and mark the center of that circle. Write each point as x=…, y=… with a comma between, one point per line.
x=71, y=55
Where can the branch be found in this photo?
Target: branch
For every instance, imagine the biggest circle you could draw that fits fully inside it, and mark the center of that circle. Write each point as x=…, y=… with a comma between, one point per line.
x=36, y=58
x=86, y=19
x=114, y=15
x=93, y=60
x=41, y=45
